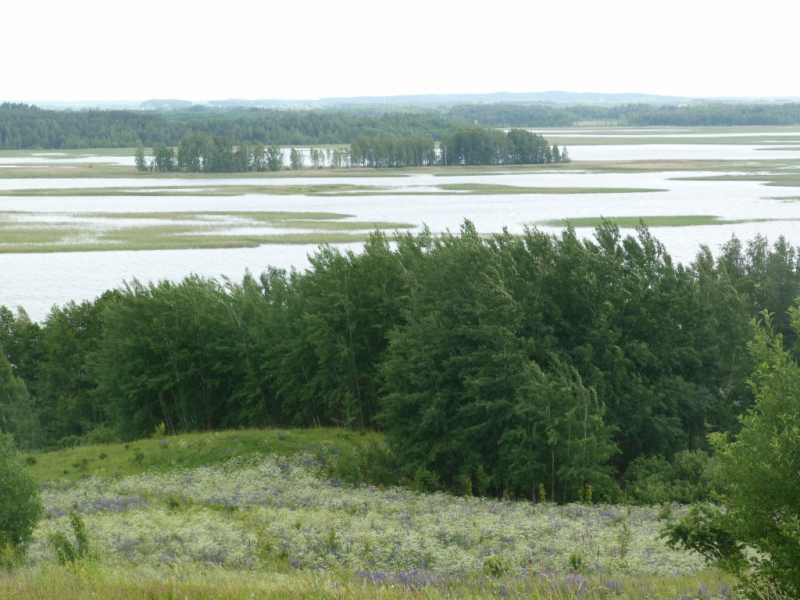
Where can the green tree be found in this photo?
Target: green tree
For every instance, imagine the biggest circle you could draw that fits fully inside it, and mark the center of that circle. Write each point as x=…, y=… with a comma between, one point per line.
x=316, y=158
x=17, y=413
x=65, y=383
x=259, y=161
x=163, y=158
x=242, y=158
x=190, y=153
x=141, y=163
x=465, y=400
x=20, y=506
x=295, y=159
x=169, y=354
x=274, y=158
x=761, y=502
x=20, y=339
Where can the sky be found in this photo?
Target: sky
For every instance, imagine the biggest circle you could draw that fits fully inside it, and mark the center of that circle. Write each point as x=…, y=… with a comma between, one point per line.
x=53, y=50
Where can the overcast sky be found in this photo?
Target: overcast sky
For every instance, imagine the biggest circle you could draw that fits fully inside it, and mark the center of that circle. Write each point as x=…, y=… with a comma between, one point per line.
x=197, y=50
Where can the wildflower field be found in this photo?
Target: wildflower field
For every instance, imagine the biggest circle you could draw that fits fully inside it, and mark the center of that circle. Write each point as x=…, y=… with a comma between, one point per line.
x=279, y=525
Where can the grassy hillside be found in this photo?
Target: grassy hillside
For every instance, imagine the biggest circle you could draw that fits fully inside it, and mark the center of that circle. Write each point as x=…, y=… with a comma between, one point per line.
x=193, y=450
x=268, y=514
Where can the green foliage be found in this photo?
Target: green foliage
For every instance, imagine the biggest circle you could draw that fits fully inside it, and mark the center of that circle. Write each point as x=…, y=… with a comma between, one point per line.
x=160, y=432
x=388, y=150
x=168, y=356
x=67, y=551
x=101, y=434
x=761, y=501
x=482, y=146
x=64, y=384
x=20, y=506
x=523, y=114
x=368, y=462
x=139, y=159
x=17, y=414
x=24, y=126
x=576, y=563
x=295, y=159
x=496, y=566
x=500, y=365
x=463, y=394
x=163, y=158
x=689, y=478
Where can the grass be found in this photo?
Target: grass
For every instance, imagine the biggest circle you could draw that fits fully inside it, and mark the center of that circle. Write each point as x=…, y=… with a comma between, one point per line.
x=252, y=514
x=189, y=450
x=62, y=583
x=54, y=170
x=480, y=189
x=770, y=178
x=180, y=230
x=486, y=189
x=134, y=241
x=228, y=190
x=11, y=236
x=652, y=221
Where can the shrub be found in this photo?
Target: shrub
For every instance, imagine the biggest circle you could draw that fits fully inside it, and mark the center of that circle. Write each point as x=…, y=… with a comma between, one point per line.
x=66, y=551
x=101, y=434
x=654, y=480
x=761, y=505
x=20, y=506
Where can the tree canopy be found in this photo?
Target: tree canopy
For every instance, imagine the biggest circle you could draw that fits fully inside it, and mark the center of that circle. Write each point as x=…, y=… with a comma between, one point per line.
x=760, y=506
x=495, y=365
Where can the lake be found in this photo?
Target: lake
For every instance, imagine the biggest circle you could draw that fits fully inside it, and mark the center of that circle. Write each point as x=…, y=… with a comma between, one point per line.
x=38, y=281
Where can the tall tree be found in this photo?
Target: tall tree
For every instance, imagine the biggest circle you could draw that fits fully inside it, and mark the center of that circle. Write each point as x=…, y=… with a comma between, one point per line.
x=761, y=504
x=274, y=158
x=18, y=416
x=295, y=159
x=141, y=163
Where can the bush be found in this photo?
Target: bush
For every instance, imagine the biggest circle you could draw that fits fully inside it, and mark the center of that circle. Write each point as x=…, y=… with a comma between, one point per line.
x=654, y=480
x=20, y=506
x=761, y=505
x=66, y=551
x=101, y=434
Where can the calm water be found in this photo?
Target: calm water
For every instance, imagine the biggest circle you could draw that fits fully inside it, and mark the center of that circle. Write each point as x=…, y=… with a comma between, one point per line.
x=38, y=281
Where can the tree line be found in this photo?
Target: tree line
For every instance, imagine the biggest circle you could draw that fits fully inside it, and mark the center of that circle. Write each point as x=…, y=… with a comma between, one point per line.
x=24, y=126
x=29, y=127
x=509, y=365
x=472, y=146
x=704, y=114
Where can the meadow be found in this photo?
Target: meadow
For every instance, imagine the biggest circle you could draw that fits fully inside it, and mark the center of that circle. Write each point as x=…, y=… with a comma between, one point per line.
x=292, y=513
x=81, y=232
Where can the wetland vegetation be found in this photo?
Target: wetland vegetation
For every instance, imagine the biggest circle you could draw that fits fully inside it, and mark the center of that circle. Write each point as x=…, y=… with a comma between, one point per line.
x=483, y=414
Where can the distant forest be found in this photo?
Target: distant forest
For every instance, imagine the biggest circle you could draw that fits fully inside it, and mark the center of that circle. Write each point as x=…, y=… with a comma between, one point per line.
x=468, y=146
x=29, y=127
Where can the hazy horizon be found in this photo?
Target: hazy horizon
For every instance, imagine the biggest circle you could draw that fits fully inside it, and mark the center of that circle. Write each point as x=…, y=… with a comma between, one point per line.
x=93, y=51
